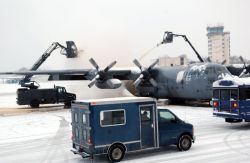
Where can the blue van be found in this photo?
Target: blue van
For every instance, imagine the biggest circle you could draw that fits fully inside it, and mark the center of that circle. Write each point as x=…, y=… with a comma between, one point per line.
x=231, y=99
x=115, y=126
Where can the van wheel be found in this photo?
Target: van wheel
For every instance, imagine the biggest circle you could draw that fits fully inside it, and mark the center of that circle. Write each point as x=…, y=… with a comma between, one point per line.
x=34, y=104
x=184, y=143
x=116, y=153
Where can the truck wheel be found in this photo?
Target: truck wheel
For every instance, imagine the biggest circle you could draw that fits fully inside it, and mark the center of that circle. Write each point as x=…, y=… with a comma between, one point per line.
x=67, y=104
x=116, y=153
x=184, y=143
x=34, y=104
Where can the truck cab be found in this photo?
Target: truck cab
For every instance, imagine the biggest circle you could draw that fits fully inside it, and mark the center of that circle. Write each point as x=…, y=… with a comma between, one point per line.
x=63, y=96
x=115, y=126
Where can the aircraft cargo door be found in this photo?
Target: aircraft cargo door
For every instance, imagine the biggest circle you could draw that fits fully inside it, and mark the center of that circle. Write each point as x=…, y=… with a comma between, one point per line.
x=147, y=126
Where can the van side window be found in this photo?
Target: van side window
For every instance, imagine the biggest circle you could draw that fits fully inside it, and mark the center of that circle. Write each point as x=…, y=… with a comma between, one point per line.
x=145, y=115
x=75, y=117
x=84, y=118
x=76, y=132
x=112, y=118
x=166, y=117
x=84, y=134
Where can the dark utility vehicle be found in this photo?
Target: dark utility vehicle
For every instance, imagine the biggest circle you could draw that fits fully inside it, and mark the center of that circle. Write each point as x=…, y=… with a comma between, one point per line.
x=115, y=126
x=35, y=97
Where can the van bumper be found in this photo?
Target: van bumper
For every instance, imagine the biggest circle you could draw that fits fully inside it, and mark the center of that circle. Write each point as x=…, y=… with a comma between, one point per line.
x=83, y=154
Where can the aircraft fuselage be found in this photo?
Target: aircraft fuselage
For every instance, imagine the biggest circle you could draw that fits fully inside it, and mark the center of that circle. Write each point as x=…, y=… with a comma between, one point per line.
x=184, y=82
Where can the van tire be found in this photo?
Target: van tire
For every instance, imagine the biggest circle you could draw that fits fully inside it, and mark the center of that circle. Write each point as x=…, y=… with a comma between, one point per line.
x=34, y=104
x=184, y=142
x=116, y=153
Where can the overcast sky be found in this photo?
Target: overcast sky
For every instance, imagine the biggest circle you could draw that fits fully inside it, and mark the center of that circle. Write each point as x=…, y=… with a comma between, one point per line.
x=114, y=30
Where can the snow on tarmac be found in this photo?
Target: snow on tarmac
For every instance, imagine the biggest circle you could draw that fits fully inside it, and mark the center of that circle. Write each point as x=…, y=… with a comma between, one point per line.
x=30, y=126
x=24, y=137
x=216, y=141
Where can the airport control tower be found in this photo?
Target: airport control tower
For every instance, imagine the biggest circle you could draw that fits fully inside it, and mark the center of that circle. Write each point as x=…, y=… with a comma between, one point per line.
x=218, y=44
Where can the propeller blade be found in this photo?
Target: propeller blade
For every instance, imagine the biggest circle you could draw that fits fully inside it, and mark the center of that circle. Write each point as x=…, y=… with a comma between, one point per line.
x=138, y=80
x=223, y=62
x=153, y=82
x=242, y=73
x=93, y=81
x=242, y=60
x=92, y=61
x=137, y=63
x=109, y=66
x=153, y=64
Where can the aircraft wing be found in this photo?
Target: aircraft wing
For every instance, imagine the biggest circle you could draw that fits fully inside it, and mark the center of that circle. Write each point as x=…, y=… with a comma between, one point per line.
x=78, y=74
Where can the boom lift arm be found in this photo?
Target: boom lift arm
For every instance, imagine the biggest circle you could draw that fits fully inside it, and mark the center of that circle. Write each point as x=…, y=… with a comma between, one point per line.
x=70, y=51
x=168, y=38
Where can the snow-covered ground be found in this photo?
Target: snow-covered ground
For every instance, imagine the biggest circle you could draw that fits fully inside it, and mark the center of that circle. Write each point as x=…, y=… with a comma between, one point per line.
x=30, y=126
x=45, y=137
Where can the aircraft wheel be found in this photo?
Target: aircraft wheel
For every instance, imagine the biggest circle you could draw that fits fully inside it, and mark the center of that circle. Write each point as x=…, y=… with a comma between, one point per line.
x=116, y=153
x=34, y=104
x=184, y=143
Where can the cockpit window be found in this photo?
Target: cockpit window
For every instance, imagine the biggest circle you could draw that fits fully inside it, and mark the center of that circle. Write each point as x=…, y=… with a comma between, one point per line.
x=209, y=70
x=222, y=71
x=217, y=71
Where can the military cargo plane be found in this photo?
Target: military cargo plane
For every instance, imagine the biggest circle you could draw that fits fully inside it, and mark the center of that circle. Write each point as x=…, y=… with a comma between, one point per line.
x=192, y=82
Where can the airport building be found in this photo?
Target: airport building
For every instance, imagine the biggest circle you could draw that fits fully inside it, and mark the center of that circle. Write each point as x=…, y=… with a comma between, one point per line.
x=218, y=44
x=173, y=61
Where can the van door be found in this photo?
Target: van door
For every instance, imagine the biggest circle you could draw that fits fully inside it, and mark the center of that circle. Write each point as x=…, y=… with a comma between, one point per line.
x=147, y=116
x=227, y=98
x=169, y=127
x=80, y=125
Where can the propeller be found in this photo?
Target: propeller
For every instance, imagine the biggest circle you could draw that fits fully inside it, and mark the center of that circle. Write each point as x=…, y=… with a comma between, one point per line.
x=99, y=74
x=209, y=59
x=145, y=73
x=243, y=61
x=223, y=62
x=246, y=69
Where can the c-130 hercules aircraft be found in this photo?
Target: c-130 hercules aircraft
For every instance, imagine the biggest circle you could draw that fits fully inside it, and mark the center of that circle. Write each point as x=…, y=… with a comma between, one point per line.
x=185, y=82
